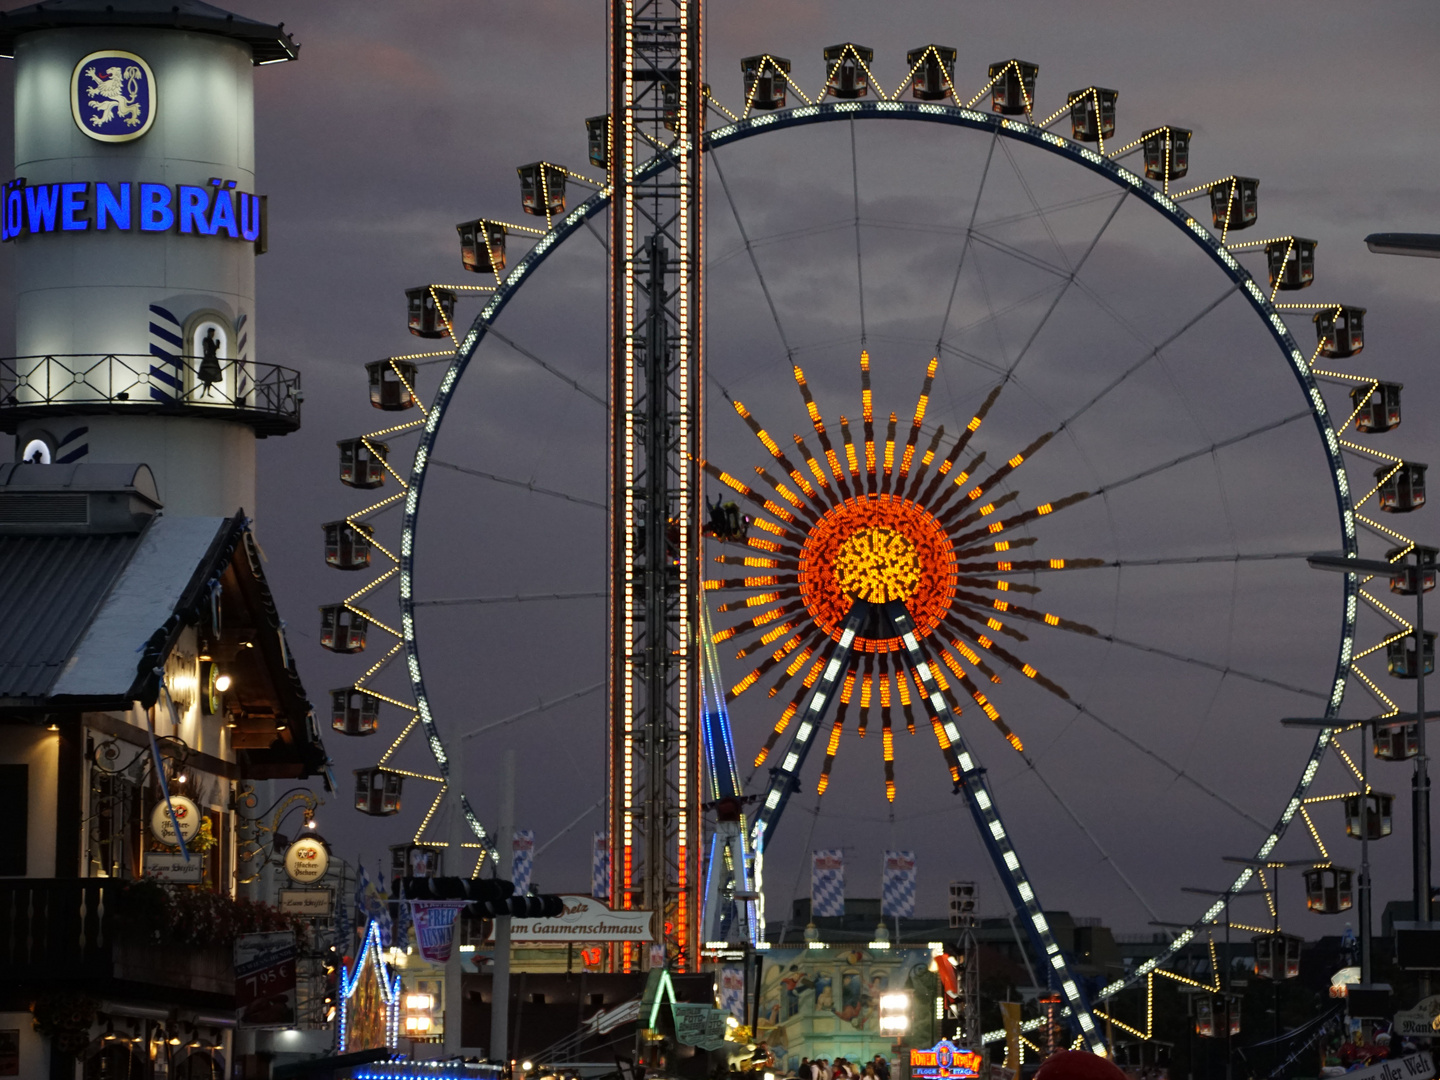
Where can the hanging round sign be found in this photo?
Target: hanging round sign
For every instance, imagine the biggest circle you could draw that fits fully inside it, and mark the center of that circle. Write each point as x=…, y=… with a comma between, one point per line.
x=306, y=860
x=186, y=813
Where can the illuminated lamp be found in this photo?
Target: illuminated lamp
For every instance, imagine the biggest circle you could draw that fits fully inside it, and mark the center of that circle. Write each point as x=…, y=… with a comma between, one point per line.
x=894, y=1014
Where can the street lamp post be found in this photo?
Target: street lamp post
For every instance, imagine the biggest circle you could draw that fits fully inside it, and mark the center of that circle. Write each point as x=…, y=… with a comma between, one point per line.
x=1420, y=782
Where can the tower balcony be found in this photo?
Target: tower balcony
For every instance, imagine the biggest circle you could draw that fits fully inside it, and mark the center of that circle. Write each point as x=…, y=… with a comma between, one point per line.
x=265, y=396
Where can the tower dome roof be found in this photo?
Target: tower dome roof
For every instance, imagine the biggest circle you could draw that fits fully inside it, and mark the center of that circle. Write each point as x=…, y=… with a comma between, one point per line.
x=268, y=44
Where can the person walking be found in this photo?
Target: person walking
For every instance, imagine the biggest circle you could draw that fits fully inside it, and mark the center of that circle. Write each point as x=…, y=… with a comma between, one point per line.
x=882, y=1068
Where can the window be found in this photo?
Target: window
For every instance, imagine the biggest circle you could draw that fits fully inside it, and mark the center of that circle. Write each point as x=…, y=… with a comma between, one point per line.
x=15, y=812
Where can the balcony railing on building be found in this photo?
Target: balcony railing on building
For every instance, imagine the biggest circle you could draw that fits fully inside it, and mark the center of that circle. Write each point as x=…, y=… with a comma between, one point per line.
x=265, y=396
x=73, y=933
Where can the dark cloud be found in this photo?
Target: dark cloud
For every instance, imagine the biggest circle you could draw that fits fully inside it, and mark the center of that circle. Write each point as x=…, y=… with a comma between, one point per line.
x=400, y=120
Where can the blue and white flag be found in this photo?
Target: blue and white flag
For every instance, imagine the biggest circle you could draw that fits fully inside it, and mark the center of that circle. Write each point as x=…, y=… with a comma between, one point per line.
x=827, y=883
x=897, y=885
x=731, y=978
x=523, y=845
x=372, y=906
x=600, y=867
x=344, y=932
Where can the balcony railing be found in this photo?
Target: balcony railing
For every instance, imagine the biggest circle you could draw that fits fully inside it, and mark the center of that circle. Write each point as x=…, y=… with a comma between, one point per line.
x=71, y=932
x=265, y=396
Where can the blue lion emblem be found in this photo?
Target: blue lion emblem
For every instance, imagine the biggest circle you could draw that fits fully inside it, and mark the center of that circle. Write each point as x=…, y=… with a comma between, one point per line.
x=113, y=96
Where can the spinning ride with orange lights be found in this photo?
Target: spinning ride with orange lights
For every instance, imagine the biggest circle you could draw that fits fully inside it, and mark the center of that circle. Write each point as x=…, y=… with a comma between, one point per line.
x=870, y=532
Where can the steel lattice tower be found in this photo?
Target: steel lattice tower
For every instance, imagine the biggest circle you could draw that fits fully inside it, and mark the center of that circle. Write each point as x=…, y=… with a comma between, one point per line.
x=656, y=368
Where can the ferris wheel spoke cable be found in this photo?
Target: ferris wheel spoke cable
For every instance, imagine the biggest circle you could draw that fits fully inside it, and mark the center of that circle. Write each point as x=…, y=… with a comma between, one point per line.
x=528, y=485
x=1178, y=772
x=754, y=262
x=1176, y=560
x=1221, y=445
x=1105, y=856
x=1035, y=203
x=1150, y=355
x=490, y=331
x=535, y=710
x=518, y=598
x=578, y=818
x=859, y=262
x=965, y=247
x=1070, y=280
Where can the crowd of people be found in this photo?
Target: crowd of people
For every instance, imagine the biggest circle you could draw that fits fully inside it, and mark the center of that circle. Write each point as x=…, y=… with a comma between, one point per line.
x=841, y=1069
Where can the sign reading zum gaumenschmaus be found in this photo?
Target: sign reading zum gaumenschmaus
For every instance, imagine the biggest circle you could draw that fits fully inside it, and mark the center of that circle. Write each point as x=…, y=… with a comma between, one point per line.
x=586, y=919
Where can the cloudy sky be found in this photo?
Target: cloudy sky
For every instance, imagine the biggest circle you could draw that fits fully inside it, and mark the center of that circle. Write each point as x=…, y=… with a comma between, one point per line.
x=400, y=120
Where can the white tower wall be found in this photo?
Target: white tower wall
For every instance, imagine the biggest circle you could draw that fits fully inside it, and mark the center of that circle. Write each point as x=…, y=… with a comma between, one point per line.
x=93, y=293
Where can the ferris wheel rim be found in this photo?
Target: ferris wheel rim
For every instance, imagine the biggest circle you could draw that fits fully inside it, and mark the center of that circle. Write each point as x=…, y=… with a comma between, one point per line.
x=999, y=126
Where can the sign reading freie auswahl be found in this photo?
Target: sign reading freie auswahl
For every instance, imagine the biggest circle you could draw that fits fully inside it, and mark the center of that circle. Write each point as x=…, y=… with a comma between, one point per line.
x=586, y=919
x=1419, y=1066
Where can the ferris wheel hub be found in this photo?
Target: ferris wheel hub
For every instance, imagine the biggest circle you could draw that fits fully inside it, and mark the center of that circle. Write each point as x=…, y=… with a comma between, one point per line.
x=877, y=548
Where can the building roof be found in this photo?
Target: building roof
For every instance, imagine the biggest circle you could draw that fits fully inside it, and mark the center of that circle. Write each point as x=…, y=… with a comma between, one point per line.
x=140, y=600
x=54, y=584
x=100, y=586
x=268, y=44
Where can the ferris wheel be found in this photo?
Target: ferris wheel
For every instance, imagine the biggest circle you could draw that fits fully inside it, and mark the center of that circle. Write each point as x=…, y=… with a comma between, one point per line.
x=1014, y=453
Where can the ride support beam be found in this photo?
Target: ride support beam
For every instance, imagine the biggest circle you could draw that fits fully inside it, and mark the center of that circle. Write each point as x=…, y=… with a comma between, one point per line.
x=996, y=837
x=784, y=779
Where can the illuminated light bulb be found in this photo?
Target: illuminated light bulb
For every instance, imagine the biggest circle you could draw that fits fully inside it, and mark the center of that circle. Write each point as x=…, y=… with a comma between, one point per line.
x=222, y=683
